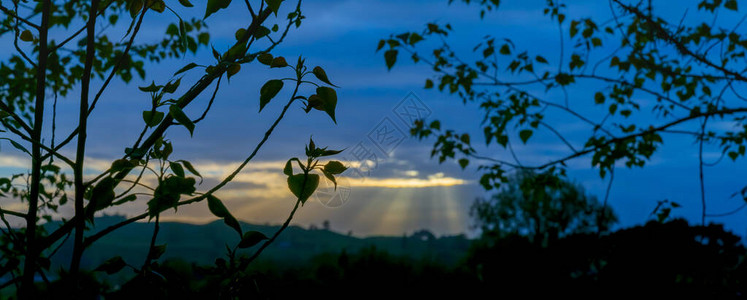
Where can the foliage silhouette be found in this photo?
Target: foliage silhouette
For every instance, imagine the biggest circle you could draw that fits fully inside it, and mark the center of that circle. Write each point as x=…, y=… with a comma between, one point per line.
x=542, y=208
x=61, y=48
x=658, y=259
x=632, y=77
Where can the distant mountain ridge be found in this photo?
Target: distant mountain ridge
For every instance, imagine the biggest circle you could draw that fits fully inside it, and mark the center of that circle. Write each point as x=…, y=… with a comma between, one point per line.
x=202, y=244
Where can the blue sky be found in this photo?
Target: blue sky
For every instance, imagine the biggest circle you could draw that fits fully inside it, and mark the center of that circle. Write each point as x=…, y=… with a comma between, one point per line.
x=406, y=190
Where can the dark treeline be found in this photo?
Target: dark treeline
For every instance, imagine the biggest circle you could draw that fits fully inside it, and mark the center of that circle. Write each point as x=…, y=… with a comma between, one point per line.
x=658, y=259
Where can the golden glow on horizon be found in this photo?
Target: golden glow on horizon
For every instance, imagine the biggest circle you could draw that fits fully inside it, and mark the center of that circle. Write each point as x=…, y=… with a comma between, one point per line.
x=395, y=183
x=407, y=201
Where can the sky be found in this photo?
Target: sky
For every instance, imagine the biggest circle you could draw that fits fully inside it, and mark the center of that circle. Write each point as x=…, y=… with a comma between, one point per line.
x=403, y=190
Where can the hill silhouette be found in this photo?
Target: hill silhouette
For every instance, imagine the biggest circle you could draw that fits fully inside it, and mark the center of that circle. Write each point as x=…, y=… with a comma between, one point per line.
x=202, y=244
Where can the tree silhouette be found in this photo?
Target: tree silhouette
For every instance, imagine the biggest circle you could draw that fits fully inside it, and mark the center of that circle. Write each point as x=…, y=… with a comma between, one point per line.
x=542, y=208
x=62, y=48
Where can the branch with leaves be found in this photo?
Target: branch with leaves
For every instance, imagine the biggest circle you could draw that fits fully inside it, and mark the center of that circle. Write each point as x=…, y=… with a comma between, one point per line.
x=640, y=66
x=94, y=51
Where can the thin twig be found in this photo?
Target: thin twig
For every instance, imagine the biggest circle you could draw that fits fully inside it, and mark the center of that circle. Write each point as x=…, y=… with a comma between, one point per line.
x=272, y=239
x=149, y=256
x=114, y=70
x=17, y=17
x=210, y=103
x=700, y=170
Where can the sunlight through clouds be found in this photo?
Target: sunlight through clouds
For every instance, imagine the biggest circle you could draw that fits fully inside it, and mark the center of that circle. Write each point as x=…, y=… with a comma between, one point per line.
x=406, y=200
x=437, y=179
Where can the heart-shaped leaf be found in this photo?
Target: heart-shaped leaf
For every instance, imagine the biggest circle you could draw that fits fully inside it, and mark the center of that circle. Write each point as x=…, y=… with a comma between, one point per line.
x=303, y=190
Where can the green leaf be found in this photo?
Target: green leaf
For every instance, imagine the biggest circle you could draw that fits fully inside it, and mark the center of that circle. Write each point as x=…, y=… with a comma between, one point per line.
x=274, y=5
x=265, y=59
x=330, y=177
x=564, y=79
x=597, y=42
x=186, y=3
x=300, y=189
x=315, y=102
x=414, y=38
x=251, y=238
x=330, y=152
x=239, y=33
x=176, y=112
x=381, y=45
x=463, y=163
x=216, y=207
x=216, y=54
x=261, y=32
x=502, y=140
x=186, y=68
x=288, y=169
x=112, y=265
x=158, y=5
x=177, y=169
x=321, y=75
x=599, y=98
x=190, y=168
x=613, y=108
x=215, y=5
x=731, y=4
x=157, y=251
x=151, y=88
x=335, y=167
x=135, y=7
x=232, y=70
x=268, y=91
x=505, y=50
x=278, y=62
x=329, y=99
x=26, y=36
x=435, y=125
x=102, y=194
x=172, y=29
x=311, y=148
x=540, y=59
x=172, y=86
x=152, y=118
x=17, y=146
x=219, y=210
x=733, y=155
x=390, y=57
x=168, y=192
x=236, y=51
x=525, y=135
x=233, y=223
x=574, y=27
x=428, y=83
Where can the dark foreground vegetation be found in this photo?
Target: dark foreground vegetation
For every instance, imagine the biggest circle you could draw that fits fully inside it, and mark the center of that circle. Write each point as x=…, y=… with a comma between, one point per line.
x=670, y=259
